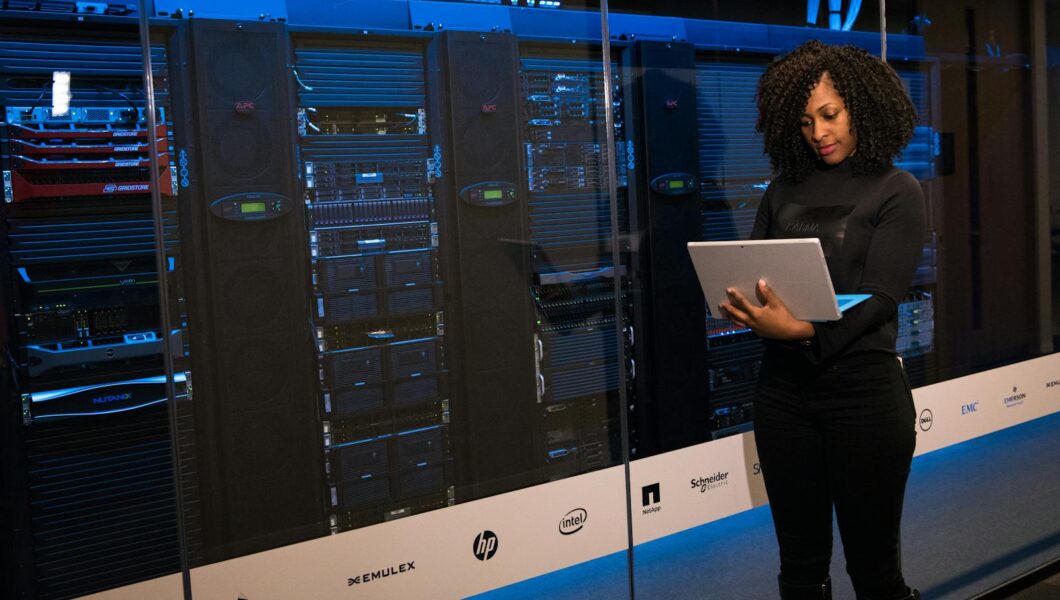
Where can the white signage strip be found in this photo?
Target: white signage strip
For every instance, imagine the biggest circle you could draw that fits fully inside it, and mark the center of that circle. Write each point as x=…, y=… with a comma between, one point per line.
x=451, y=553
x=486, y=544
x=961, y=409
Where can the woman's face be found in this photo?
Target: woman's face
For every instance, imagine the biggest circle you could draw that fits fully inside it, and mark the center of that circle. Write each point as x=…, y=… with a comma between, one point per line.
x=825, y=124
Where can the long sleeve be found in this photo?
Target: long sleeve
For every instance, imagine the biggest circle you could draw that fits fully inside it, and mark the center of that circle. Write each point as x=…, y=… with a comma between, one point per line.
x=763, y=216
x=893, y=254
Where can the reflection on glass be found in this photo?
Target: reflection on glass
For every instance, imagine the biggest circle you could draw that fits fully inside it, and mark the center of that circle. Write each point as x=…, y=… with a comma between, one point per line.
x=87, y=471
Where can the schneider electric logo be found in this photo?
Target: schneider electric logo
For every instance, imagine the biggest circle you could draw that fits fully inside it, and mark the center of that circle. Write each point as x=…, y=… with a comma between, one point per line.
x=1015, y=399
x=650, y=497
x=925, y=420
x=573, y=521
x=710, y=482
x=381, y=574
x=485, y=545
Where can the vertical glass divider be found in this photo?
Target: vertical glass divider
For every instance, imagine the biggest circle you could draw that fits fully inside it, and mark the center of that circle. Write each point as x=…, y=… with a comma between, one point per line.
x=163, y=294
x=612, y=189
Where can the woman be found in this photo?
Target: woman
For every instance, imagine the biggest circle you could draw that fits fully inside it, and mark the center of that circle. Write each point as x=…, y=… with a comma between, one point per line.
x=834, y=416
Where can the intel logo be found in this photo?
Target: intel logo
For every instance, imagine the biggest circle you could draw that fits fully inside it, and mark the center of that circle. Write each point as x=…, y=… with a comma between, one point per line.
x=573, y=521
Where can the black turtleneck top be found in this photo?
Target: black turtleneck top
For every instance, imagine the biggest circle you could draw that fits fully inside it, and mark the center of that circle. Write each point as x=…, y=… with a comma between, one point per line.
x=871, y=229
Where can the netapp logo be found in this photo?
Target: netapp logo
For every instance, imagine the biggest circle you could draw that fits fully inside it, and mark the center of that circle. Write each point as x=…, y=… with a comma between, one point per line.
x=573, y=521
x=650, y=497
x=969, y=408
x=111, y=398
x=382, y=573
x=712, y=482
x=925, y=420
x=110, y=188
x=485, y=545
x=1015, y=399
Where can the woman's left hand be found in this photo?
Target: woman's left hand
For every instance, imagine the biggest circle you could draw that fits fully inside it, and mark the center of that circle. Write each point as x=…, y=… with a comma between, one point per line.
x=773, y=320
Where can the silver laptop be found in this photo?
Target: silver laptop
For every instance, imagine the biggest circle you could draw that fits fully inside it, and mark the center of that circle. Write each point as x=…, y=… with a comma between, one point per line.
x=794, y=268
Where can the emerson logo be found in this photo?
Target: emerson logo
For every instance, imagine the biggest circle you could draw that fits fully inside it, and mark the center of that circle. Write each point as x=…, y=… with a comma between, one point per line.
x=381, y=574
x=1015, y=399
x=925, y=420
x=712, y=482
x=573, y=521
x=650, y=497
x=485, y=545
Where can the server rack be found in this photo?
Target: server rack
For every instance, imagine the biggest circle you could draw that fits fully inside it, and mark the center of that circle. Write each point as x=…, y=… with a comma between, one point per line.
x=378, y=288
x=86, y=431
x=575, y=260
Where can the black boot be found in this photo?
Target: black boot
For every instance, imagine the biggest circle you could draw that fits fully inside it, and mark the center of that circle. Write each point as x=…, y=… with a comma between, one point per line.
x=819, y=591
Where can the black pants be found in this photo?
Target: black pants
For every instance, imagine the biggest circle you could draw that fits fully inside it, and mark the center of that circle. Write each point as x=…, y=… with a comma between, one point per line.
x=839, y=436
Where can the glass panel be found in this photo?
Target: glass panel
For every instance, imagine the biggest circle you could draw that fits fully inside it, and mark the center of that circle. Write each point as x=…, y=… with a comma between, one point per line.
x=698, y=496
x=978, y=67
x=397, y=277
x=87, y=477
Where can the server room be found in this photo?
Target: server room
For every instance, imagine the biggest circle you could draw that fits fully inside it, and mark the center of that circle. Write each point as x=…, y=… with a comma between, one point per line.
x=327, y=299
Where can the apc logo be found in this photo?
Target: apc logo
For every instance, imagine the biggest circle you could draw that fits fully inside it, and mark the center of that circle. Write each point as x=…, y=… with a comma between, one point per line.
x=967, y=409
x=573, y=521
x=485, y=545
x=925, y=420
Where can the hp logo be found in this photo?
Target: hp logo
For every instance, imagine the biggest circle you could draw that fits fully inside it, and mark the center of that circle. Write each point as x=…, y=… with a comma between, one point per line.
x=485, y=545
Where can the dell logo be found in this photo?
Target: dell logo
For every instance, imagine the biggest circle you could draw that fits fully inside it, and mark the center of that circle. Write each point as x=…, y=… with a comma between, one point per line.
x=485, y=545
x=925, y=420
x=573, y=521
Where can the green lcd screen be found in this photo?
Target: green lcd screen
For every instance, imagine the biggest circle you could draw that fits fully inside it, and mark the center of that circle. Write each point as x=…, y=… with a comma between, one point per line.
x=492, y=195
x=252, y=207
x=676, y=184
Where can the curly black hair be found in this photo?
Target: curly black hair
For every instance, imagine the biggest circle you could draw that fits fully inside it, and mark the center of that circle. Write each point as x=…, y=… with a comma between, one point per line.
x=881, y=113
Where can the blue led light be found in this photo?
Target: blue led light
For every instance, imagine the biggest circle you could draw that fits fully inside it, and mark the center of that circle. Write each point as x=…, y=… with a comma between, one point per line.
x=53, y=394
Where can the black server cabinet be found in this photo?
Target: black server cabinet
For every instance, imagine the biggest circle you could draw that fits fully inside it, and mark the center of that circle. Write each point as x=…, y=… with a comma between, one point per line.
x=668, y=309
x=475, y=88
x=257, y=428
